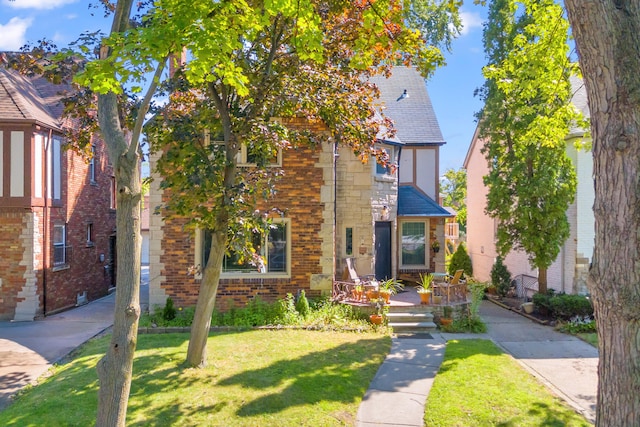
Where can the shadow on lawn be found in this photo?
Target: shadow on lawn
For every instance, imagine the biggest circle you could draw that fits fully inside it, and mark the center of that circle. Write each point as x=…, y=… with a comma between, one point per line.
x=316, y=377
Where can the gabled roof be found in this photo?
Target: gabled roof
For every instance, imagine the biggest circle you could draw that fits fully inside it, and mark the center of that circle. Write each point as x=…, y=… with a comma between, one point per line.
x=411, y=111
x=29, y=99
x=413, y=202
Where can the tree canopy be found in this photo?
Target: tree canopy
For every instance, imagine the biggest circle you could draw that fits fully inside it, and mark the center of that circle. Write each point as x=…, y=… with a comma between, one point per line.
x=526, y=117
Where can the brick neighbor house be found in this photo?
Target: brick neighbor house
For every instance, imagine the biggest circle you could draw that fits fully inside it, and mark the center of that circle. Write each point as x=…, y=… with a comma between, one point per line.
x=57, y=213
x=336, y=208
x=569, y=271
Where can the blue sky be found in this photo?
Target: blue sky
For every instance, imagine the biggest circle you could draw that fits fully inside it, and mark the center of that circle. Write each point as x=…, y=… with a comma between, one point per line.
x=451, y=88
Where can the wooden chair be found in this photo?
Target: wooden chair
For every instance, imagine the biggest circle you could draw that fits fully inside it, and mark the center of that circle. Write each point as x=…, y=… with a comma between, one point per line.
x=453, y=286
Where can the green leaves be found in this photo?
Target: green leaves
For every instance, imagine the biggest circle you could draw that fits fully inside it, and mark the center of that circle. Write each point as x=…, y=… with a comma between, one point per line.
x=525, y=121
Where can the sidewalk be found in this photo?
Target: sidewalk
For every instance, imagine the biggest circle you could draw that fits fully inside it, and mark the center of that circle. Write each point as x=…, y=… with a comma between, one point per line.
x=29, y=349
x=565, y=364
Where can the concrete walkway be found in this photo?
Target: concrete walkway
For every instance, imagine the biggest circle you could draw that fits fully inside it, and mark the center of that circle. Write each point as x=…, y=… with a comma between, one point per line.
x=29, y=349
x=565, y=364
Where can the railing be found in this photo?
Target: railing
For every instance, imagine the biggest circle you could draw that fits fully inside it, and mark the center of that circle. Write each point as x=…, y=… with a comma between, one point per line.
x=526, y=285
x=452, y=230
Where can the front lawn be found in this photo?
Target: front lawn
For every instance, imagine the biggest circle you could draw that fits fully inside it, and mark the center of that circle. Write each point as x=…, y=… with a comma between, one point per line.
x=255, y=378
x=478, y=385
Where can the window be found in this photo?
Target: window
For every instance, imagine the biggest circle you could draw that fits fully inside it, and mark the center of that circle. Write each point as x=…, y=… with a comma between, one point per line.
x=92, y=165
x=386, y=170
x=250, y=158
x=90, y=234
x=59, y=245
x=112, y=193
x=349, y=241
x=275, y=249
x=54, y=173
x=413, y=244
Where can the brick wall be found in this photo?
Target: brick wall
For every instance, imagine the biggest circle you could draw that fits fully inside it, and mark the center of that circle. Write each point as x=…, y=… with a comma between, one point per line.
x=172, y=250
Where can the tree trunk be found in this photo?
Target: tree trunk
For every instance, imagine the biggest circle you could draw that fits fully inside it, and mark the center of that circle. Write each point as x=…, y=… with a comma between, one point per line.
x=607, y=35
x=197, y=351
x=542, y=280
x=115, y=368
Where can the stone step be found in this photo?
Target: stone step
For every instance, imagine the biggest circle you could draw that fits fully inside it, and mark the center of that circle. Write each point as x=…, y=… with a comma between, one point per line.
x=411, y=321
x=413, y=327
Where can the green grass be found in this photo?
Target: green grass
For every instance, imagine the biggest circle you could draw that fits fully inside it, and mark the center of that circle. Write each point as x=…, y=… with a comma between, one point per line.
x=478, y=385
x=590, y=337
x=255, y=378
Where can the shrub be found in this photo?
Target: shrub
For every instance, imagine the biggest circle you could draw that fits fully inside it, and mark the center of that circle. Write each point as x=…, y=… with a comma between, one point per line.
x=578, y=325
x=461, y=261
x=565, y=306
x=302, y=305
x=500, y=277
x=169, y=311
x=542, y=301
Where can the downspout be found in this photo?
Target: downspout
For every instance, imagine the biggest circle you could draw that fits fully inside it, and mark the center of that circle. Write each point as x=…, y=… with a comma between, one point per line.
x=335, y=211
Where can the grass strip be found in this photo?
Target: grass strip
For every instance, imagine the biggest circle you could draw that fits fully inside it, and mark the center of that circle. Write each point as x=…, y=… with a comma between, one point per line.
x=479, y=385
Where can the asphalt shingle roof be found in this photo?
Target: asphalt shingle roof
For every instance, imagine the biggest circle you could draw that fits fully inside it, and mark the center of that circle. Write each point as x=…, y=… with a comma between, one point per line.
x=29, y=99
x=413, y=115
x=413, y=202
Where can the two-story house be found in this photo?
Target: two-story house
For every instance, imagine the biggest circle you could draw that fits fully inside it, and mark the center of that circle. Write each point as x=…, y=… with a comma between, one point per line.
x=57, y=212
x=385, y=218
x=569, y=272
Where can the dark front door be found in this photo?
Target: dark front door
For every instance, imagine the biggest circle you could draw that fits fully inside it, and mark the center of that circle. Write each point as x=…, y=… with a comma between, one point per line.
x=383, y=250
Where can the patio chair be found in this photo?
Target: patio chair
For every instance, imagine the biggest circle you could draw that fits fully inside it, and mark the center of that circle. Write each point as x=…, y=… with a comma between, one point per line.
x=345, y=289
x=453, y=286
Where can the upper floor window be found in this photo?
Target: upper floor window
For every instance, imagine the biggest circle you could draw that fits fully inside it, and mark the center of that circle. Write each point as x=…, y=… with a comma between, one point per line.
x=387, y=169
x=90, y=234
x=54, y=172
x=92, y=165
x=112, y=193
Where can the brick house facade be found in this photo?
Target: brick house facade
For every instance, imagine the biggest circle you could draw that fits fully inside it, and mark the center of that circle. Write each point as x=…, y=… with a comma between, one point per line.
x=57, y=221
x=334, y=207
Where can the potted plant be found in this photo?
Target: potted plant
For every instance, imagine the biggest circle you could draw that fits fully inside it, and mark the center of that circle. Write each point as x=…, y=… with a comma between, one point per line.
x=435, y=245
x=377, y=317
x=425, y=288
x=446, y=318
x=389, y=287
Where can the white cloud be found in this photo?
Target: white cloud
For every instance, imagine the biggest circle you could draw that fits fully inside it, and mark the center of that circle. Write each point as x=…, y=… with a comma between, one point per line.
x=36, y=4
x=470, y=20
x=12, y=34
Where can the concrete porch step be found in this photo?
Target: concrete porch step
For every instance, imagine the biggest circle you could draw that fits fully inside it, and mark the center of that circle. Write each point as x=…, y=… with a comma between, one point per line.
x=411, y=321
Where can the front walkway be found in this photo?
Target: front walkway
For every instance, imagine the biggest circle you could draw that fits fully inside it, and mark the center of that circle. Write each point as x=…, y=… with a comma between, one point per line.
x=563, y=363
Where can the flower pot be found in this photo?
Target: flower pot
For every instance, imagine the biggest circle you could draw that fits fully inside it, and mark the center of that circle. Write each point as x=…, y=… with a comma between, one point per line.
x=528, y=307
x=445, y=321
x=425, y=297
x=386, y=296
x=372, y=294
x=376, y=319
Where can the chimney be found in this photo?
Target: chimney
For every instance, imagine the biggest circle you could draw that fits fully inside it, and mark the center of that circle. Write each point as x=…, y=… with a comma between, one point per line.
x=176, y=61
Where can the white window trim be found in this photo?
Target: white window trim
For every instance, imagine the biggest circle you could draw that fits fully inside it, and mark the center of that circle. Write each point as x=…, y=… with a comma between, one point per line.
x=427, y=253
x=392, y=151
x=243, y=156
x=198, y=253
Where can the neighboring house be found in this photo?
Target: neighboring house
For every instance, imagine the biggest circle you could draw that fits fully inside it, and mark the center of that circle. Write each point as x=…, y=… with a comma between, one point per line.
x=383, y=219
x=57, y=213
x=569, y=272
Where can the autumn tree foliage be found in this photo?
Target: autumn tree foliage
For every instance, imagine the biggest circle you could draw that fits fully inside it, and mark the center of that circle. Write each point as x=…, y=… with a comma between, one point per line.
x=525, y=120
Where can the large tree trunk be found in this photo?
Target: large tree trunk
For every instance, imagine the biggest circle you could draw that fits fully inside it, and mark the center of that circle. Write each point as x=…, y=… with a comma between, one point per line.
x=197, y=351
x=115, y=368
x=607, y=35
x=542, y=280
